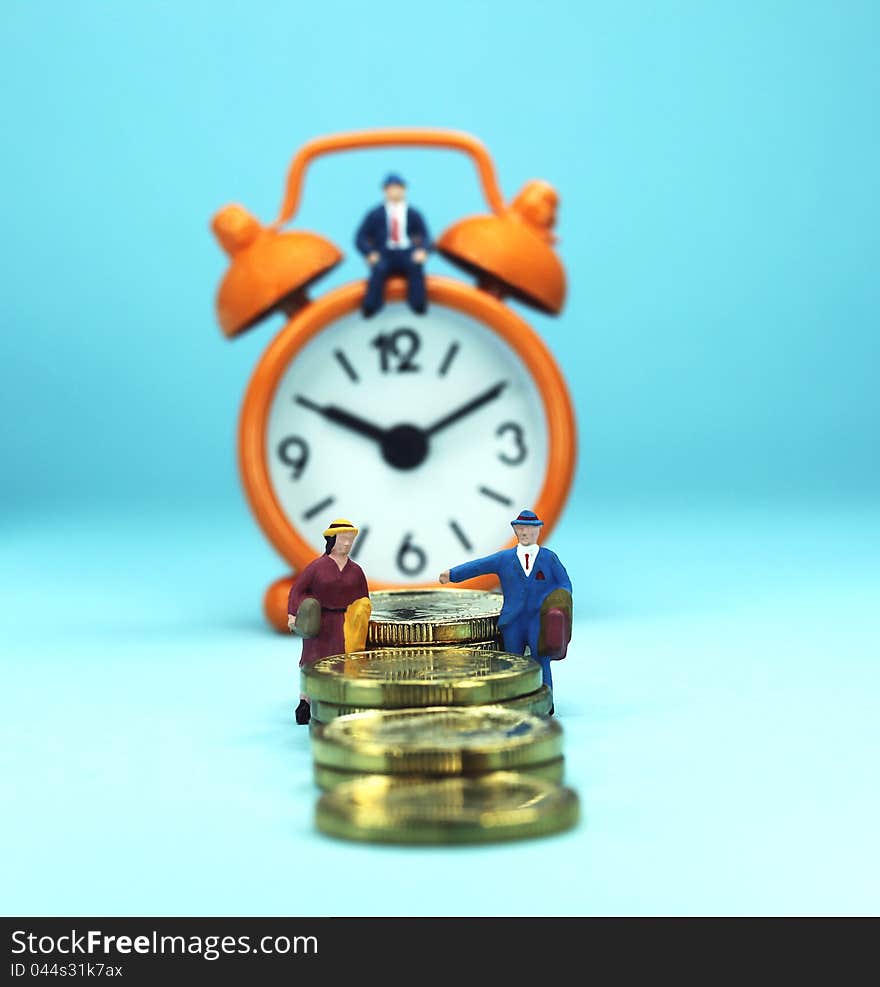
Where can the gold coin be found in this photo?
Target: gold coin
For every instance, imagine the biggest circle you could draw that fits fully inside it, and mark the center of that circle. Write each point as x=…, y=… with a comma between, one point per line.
x=538, y=703
x=432, y=676
x=448, y=741
x=493, y=644
x=327, y=778
x=432, y=616
x=503, y=806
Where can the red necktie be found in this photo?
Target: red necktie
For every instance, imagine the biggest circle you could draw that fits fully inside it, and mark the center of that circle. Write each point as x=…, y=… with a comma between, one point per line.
x=527, y=561
x=395, y=229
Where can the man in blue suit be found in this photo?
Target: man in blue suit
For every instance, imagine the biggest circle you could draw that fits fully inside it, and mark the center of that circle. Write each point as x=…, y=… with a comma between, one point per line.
x=394, y=239
x=537, y=594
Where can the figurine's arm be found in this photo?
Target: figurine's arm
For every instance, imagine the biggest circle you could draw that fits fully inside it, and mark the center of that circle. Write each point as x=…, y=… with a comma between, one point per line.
x=486, y=566
x=420, y=236
x=363, y=238
x=559, y=573
x=361, y=589
x=301, y=590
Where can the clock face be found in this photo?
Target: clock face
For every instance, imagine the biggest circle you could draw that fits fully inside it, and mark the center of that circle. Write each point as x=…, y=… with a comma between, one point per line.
x=427, y=431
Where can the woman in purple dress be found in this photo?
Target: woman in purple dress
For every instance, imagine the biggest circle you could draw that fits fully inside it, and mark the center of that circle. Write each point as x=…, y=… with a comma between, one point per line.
x=329, y=604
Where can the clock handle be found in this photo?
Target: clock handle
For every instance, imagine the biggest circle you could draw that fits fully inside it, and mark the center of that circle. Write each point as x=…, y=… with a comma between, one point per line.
x=393, y=136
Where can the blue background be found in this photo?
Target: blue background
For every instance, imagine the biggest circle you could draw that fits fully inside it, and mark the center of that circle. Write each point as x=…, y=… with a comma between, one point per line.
x=718, y=165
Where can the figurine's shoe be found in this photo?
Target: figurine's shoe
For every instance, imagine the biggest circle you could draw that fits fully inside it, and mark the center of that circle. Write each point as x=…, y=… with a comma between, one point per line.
x=556, y=633
x=303, y=712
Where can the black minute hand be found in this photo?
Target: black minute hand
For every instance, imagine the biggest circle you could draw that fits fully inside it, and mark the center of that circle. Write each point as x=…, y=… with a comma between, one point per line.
x=344, y=418
x=466, y=409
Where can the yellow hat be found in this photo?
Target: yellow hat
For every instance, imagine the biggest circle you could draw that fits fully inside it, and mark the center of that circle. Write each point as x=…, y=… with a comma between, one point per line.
x=339, y=526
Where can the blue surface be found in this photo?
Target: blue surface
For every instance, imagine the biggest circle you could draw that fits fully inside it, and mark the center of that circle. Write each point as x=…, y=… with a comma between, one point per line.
x=719, y=703
x=719, y=169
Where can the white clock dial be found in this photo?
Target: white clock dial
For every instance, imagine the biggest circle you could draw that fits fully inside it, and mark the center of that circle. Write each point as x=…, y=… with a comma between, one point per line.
x=427, y=431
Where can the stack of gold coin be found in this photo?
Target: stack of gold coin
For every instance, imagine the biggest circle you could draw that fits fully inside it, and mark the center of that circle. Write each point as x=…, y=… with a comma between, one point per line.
x=403, y=618
x=441, y=726
x=422, y=623
x=441, y=775
x=500, y=806
x=434, y=733
x=418, y=744
x=436, y=675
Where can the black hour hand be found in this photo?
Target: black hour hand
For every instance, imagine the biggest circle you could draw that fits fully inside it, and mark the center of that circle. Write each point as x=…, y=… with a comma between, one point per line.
x=342, y=417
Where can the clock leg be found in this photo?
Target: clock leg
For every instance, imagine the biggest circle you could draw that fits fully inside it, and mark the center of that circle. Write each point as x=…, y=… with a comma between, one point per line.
x=275, y=602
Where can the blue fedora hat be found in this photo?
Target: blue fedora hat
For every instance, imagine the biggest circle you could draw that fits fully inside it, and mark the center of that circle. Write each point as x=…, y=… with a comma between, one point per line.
x=527, y=517
x=393, y=179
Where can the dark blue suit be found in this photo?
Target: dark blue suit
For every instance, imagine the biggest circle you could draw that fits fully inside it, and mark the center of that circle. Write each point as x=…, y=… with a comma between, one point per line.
x=520, y=620
x=373, y=235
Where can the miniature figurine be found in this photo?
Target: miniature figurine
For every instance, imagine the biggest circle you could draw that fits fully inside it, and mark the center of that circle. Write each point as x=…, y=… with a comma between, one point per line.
x=329, y=604
x=537, y=610
x=394, y=239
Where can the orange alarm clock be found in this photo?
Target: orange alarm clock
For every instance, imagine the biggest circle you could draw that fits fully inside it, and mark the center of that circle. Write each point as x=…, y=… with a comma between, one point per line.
x=429, y=431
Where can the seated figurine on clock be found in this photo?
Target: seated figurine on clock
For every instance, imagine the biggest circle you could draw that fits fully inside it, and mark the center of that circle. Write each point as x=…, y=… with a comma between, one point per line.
x=329, y=604
x=394, y=239
x=537, y=609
